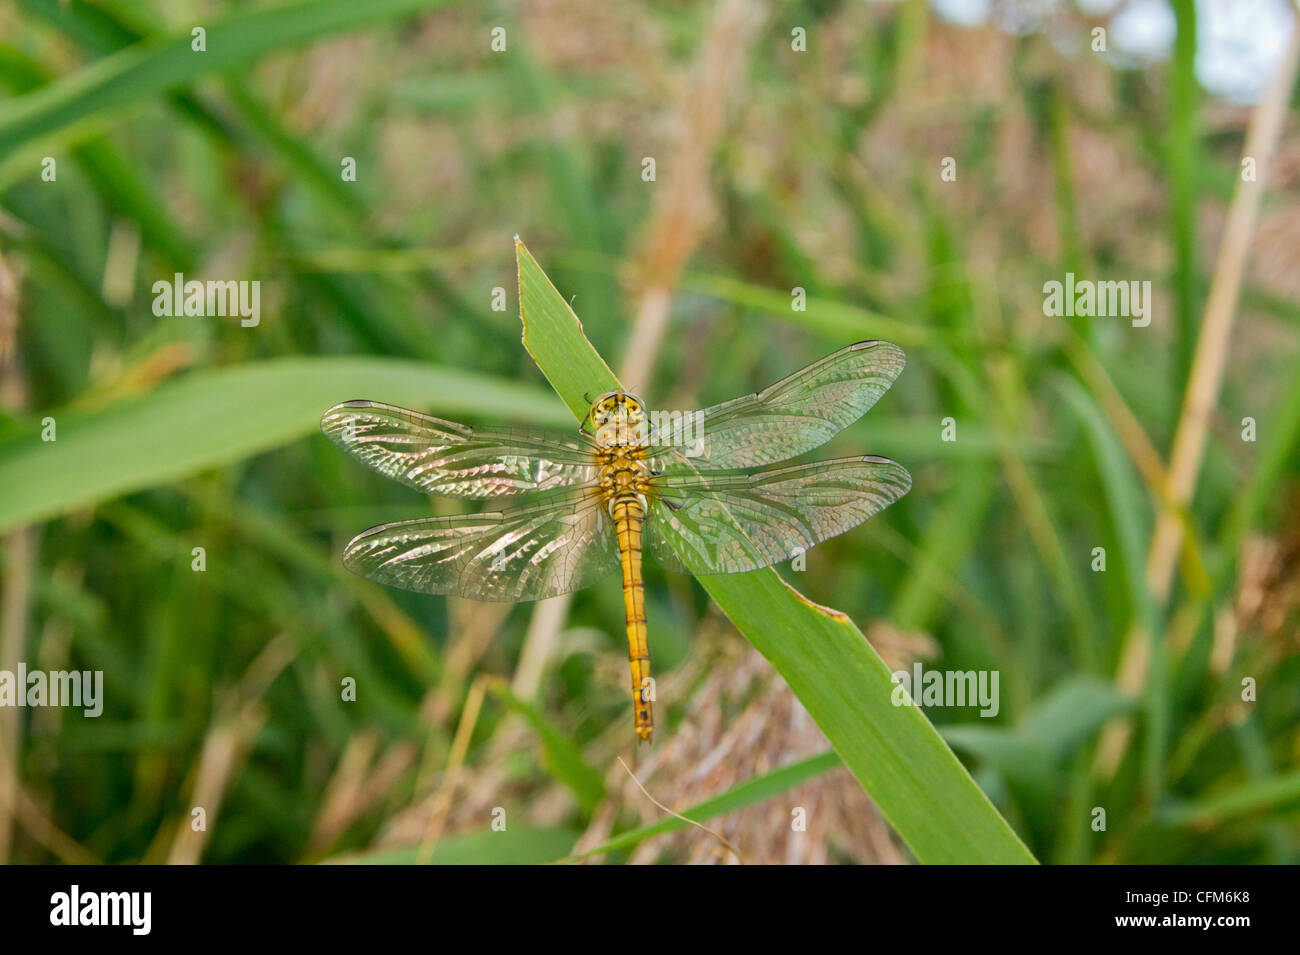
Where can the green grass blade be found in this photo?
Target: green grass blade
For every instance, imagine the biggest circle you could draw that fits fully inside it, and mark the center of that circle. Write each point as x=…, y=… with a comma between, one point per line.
x=1124, y=497
x=212, y=418
x=568, y=361
x=919, y=785
x=1131, y=523
x=1072, y=711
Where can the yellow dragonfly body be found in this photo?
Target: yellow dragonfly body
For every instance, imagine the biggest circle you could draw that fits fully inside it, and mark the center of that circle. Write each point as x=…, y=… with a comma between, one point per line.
x=684, y=485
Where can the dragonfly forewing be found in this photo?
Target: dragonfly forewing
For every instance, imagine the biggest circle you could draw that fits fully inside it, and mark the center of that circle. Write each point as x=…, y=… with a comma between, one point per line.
x=456, y=460
x=787, y=419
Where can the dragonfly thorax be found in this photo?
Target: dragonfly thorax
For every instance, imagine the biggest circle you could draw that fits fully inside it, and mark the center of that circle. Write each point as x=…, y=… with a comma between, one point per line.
x=624, y=474
x=619, y=426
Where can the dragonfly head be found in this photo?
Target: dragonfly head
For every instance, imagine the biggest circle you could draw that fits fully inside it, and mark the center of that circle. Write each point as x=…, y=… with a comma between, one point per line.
x=617, y=419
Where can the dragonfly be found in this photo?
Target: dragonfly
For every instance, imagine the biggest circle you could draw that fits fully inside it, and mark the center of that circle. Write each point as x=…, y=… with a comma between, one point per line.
x=698, y=490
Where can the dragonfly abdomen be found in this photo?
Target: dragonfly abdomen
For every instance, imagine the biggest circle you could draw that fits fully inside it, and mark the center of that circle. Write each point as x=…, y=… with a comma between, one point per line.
x=629, y=519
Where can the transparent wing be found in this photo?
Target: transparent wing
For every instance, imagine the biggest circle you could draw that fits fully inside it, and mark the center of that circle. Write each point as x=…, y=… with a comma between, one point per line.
x=727, y=524
x=455, y=460
x=558, y=542
x=785, y=420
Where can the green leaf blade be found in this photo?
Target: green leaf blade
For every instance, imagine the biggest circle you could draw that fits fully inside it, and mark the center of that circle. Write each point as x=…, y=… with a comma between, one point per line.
x=213, y=418
x=894, y=751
